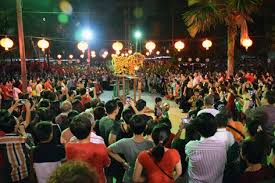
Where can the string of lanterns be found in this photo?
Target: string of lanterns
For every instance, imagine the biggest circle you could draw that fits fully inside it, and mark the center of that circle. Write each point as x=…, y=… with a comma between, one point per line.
x=117, y=46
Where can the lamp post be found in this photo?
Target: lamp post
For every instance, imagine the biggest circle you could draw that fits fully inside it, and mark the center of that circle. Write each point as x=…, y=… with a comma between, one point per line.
x=21, y=44
x=138, y=36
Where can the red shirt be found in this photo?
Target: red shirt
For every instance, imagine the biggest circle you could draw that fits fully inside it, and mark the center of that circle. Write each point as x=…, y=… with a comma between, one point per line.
x=95, y=155
x=48, y=86
x=6, y=90
x=258, y=176
x=85, y=99
x=154, y=175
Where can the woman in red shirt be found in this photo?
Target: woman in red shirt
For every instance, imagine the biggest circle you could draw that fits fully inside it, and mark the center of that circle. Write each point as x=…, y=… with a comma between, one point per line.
x=160, y=162
x=83, y=150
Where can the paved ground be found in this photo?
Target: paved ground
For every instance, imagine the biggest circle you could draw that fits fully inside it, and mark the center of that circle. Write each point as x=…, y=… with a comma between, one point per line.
x=175, y=114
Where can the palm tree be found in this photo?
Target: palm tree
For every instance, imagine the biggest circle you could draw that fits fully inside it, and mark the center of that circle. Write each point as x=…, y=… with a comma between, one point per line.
x=205, y=14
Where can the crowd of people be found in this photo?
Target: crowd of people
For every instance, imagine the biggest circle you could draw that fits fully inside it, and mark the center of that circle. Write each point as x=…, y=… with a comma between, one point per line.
x=61, y=131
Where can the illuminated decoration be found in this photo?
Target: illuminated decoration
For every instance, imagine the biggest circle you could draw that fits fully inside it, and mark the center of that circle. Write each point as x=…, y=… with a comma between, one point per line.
x=130, y=52
x=93, y=54
x=189, y=59
x=147, y=53
x=197, y=59
x=122, y=54
x=66, y=7
x=82, y=46
x=136, y=68
x=105, y=53
x=207, y=60
x=82, y=56
x=126, y=54
x=117, y=46
x=71, y=56
x=43, y=44
x=158, y=52
x=180, y=59
x=179, y=45
x=59, y=56
x=207, y=44
x=138, y=34
x=7, y=43
x=247, y=43
x=167, y=51
x=150, y=46
x=127, y=65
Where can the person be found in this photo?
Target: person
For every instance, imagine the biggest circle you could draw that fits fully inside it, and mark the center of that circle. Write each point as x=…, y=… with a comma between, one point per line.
x=66, y=134
x=207, y=156
x=141, y=108
x=208, y=106
x=268, y=107
x=130, y=147
x=74, y=171
x=222, y=134
x=17, y=167
x=99, y=112
x=45, y=163
x=252, y=153
x=16, y=91
x=95, y=155
x=159, y=162
x=85, y=97
x=106, y=123
x=66, y=107
x=48, y=85
x=158, y=109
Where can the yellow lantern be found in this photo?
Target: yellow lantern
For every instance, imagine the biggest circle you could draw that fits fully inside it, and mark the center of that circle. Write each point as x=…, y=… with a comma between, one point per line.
x=150, y=46
x=43, y=44
x=117, y=46
x=179, y=45
x=82, y=46
x=247, y=43
x=147, y=53
x=59, y=56
x=158, y=52
x=207, y=44
x=130, y=52
x=7, y=43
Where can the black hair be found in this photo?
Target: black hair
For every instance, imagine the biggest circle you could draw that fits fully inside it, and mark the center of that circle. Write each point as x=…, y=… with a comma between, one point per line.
x=270, y=97
x=43, y=130
x=44, y=103
x=121, y=107
x=191, y=132
x=138, y=124
x=7, y=121
x=158, y=99
x=100, y=104
x=221, y=120
x=160, y=136
x=150, y=126
x=69, y=119
x=205, y=124
x=81, y=127
x=16, y=84
x=94, y=103
x=88, y=105
x=82, y=91
x=199, y=104
x=141, y=104
x=111, y=106
x=52, y=96
x=77, y=105
x=44, y=114
x=127, y=114
x=99, y=112
x=252, y=151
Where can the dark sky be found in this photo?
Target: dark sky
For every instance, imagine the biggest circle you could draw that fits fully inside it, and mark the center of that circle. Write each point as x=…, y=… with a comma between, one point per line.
x=116, y=20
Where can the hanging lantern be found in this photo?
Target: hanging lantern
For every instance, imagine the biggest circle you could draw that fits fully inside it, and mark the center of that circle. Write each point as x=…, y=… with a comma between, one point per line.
x=150, y=46
x=167, y=51
x=59, y=56
x=207, y=60
x=43, y=44
x=247, y=43
x=197, y=59
x=82, y=56
x=207, y=44
x=130, y=52
x=93, y=54
x=117, y=46
x=7, y=43
x=179, y=45
x=82, y=46
x=147, y=53
x=158, y=52
x=71, y=56
x=189, y=59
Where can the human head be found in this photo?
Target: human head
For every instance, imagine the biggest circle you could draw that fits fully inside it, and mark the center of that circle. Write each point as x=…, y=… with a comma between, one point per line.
x=167, y=122
x=121, y=107
x=99, y=112
x=141, y=104
x=158, y=101
x=111, y=107
x=252, y=152
x=89, y=116
x=209, y=100
x=127, y=114
x=138, y=124
x=69, y=119
x=221, y=120
x=160, y=136
x=76, y=103
x=74, y=171
x=82, y=91
x=81, y=127
x=43, y=131
x=205, y=124
x=66, y=106
x=8, y=122
x=270, y=97
x=44, y=103
x=199, y=104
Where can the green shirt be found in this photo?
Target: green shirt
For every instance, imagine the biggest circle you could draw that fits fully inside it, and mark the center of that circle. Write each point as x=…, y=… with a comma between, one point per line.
x=105, y=126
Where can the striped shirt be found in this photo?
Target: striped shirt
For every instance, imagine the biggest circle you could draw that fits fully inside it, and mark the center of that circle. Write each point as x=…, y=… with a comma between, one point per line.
x=207, y=158
x=16, y=160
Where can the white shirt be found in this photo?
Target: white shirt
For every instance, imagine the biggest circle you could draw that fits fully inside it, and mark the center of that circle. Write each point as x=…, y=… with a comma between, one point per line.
x=38, y=89
x=94, y=138
x=207, y=158
x=15, y=93
x=226, y=136
x=214, y=112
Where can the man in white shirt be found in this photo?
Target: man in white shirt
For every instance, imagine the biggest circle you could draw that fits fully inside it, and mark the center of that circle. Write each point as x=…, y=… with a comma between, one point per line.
x=209, y=106
x=207, y=156
x=38, y=88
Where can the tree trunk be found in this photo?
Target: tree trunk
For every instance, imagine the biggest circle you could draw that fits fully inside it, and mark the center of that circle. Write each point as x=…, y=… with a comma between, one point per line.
x=231, y=35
